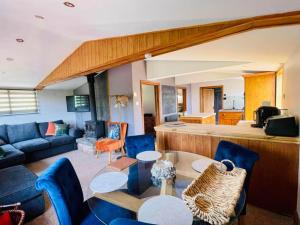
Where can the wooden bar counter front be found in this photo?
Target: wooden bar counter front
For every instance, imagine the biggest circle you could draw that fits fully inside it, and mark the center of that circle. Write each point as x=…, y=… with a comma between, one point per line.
x=274, y=181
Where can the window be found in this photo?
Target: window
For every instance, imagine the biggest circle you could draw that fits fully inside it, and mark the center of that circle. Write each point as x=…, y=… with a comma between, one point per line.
x=18, y=102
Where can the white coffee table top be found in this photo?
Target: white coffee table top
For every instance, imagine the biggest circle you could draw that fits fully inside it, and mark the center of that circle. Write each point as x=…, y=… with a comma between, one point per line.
x=201, y=164
x=165, y=210
x=108, y=182
x=149, y=156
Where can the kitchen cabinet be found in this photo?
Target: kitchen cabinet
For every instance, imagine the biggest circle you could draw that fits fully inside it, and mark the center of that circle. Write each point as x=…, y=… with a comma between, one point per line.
x=230, y=117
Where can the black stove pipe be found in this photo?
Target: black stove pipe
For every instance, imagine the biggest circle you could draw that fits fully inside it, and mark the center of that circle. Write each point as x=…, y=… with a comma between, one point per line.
x=91, y=82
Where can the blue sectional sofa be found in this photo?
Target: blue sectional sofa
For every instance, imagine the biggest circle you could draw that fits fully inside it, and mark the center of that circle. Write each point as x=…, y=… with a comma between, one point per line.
x=18, y=185
x=28, y=143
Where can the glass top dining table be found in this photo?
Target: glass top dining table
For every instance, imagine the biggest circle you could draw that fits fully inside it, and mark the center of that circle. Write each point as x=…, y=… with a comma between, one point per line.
x=140, y=187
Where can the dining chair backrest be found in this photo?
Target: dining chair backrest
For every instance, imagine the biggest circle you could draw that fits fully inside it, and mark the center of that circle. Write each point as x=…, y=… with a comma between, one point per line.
x=239, y=155
x=64, y=190
x=139, y=143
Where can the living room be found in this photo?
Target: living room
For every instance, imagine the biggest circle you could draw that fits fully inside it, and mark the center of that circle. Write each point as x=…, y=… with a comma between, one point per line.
x=110, y=118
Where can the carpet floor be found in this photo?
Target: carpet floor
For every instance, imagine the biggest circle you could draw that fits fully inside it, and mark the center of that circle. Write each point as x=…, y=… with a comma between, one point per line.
x=86, y=166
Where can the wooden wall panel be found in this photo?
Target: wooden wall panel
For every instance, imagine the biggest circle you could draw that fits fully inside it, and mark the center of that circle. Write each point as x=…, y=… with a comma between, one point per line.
x=275, y=174
x=274, y=181
x=203, y=145
x=258, y=88
x=98, y=55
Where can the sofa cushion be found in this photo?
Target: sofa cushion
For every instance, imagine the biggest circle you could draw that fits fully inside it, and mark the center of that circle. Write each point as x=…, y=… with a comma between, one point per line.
x=22, y=132
x=32, y=145
x=60, y=140
x=2, y=142
x=3, y=133
x=12, y=157
x=2, y=153
x=17, y=185
x=43, y=127
x=61, y=129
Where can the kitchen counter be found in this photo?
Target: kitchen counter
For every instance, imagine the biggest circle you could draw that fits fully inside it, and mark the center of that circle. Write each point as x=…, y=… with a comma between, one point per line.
x=242, y=130
x=199, y=115
x=274, y=182
x=200, y=118
x=231, y=110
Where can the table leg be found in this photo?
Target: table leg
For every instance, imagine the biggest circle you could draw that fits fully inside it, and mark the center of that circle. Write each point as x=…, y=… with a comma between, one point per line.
x=109, y=157
x=167, y=188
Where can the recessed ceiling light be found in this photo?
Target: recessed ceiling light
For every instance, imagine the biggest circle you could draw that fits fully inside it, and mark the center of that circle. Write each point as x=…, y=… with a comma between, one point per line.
x=20, y=40
x=39, y=17
x=9, y=59
x=69, y=4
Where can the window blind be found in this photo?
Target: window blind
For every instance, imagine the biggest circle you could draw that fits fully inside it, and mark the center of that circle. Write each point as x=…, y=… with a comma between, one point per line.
x=18, y=102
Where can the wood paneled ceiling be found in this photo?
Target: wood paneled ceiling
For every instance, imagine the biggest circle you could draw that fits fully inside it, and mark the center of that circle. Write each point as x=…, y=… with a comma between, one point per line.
x=102, y=54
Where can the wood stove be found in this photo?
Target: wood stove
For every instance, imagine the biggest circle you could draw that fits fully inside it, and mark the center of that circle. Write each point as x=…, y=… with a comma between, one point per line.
x=93, y=128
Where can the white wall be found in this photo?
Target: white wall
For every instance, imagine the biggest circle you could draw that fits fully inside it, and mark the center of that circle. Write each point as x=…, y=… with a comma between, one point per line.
x=52, y=105
x=291, y=94
x=120, y=83
x=233, y=88
x=148, y=99
x=138, y=74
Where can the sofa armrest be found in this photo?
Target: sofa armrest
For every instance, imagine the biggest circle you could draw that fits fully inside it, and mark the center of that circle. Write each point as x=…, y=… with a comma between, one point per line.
x=76, y=133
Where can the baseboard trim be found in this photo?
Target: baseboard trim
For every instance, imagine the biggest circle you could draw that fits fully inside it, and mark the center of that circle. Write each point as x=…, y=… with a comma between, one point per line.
x=296, y=218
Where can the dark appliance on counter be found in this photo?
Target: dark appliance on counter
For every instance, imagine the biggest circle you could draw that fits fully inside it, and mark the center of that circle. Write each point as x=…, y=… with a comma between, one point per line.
x=262, y=114
x=285, y=126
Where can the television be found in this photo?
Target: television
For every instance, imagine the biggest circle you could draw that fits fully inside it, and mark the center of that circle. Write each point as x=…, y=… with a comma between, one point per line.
x=78, y=103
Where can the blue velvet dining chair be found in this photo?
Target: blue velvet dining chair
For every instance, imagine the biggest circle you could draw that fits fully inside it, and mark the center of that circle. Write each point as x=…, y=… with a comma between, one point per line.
x=241, y=157
x=139, y=143
x=121, y=221
x=64, y=190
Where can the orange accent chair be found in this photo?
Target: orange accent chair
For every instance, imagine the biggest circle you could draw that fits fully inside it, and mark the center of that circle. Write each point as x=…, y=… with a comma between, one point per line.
x=109, y=145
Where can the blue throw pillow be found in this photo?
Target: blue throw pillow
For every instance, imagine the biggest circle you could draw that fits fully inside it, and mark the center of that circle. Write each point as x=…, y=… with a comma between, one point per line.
x=114, y=131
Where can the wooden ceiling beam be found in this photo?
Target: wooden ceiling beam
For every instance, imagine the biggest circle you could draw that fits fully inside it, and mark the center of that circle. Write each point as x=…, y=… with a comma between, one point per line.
x=98, y=55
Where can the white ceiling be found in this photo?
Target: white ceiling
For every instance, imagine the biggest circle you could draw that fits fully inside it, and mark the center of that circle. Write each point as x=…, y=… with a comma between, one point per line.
x=49, y=41
x=68, y=85
x=258, y=50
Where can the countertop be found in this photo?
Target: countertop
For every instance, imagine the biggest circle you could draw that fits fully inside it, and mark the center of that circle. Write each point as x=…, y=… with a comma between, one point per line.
x=231, y=110
x=242, y=130
x=199, y=115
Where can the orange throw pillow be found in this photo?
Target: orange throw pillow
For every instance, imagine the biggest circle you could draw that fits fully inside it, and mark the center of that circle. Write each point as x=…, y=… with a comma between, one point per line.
x=51, y=129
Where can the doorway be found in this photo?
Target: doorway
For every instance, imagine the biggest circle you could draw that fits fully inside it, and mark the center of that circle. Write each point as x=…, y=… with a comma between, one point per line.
x=181, y=100
x=211, y=100
x=150, y=105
